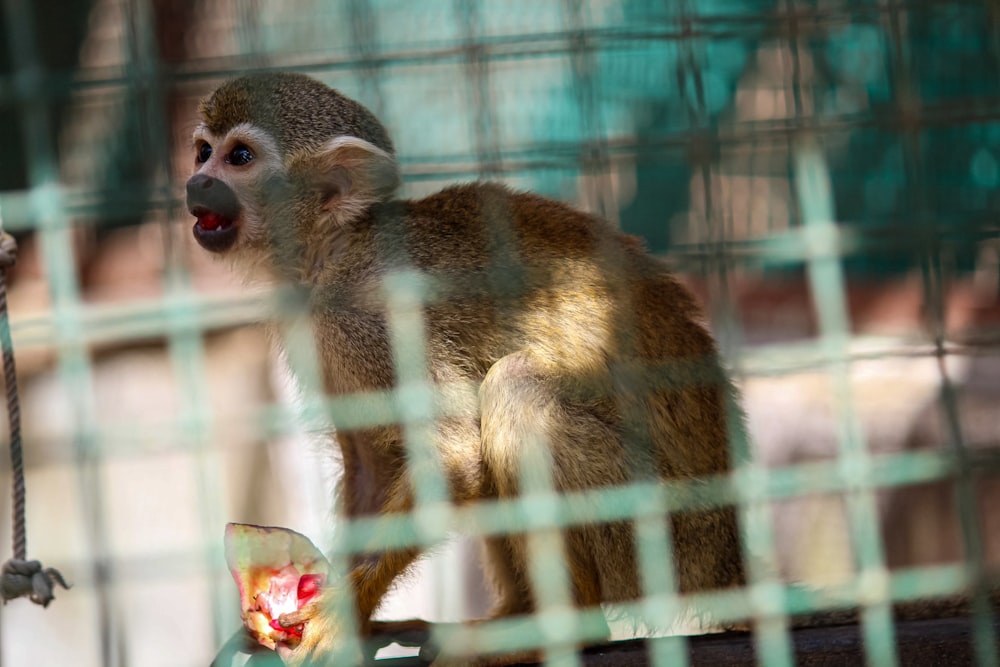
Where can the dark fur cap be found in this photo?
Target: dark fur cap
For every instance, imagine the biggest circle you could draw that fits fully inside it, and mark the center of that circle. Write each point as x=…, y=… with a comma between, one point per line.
x=299, y=111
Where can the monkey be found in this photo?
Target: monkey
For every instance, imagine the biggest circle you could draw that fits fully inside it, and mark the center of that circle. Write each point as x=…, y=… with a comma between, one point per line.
x=568, y=342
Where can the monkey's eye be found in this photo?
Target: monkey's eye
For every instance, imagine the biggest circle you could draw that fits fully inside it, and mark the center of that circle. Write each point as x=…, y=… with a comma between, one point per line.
x=239, y=156
x=204, y=152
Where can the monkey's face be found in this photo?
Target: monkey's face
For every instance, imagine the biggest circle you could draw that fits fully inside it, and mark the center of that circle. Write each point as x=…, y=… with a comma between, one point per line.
x=284, y=166
x=279, y=215
x=224, y=194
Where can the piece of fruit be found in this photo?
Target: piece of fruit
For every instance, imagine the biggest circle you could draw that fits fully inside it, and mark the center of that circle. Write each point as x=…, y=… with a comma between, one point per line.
x=211, y=220
x=277, y=571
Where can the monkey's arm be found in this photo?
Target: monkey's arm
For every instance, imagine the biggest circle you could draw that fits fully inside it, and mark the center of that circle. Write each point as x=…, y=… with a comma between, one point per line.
x=372, y=574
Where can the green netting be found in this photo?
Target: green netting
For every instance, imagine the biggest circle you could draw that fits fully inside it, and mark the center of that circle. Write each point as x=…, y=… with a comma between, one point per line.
x=813, y=142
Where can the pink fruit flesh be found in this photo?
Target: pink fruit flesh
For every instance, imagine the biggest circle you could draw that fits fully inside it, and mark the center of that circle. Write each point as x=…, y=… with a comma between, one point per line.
x=310, y=586
x=277, y=571
x=210, y=221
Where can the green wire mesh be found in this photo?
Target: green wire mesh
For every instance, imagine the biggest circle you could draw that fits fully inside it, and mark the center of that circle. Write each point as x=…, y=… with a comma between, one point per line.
x=788, y=140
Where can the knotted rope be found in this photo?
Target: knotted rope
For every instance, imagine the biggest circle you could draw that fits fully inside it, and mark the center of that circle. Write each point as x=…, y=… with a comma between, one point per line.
x=19, y=576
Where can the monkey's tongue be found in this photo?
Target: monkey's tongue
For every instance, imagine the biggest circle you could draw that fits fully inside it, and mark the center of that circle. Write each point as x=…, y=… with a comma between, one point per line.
x=209, y=220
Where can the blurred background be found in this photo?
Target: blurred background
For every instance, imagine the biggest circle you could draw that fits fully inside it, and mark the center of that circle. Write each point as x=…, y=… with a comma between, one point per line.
x=823, y=173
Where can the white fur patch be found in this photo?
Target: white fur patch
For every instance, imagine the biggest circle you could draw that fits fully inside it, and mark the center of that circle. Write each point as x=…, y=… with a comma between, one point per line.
x=263, y=146
x=354, y=142
x=374, y=171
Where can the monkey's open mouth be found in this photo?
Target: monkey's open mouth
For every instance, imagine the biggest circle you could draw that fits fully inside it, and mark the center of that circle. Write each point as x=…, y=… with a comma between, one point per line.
x=212, y=231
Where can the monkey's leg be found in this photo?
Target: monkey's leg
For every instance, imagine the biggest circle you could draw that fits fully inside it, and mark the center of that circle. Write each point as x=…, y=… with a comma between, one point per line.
x=525, y=424
x=528, y=424
x=506, y=567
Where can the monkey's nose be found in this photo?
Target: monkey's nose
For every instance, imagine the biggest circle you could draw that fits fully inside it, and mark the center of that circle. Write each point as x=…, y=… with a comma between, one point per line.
x=208, y=192
x=199, y=182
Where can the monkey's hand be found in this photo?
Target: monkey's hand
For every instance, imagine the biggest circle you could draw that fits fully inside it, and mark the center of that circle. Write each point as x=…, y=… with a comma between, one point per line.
x=321, y=642
x=322, y=637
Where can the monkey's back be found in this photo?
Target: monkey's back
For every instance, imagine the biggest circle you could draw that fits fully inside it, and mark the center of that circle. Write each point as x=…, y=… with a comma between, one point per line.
x=527, y=272
x=609, y=331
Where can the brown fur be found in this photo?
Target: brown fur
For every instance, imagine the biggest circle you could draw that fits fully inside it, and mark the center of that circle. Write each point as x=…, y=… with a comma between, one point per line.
x=559, y=337
x=301, y=113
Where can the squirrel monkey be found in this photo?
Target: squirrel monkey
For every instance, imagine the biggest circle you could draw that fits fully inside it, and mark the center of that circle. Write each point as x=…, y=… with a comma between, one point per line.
x=572, y=341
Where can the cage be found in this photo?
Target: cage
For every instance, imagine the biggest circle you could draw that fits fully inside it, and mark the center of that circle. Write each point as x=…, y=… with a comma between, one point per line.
x=821, y=173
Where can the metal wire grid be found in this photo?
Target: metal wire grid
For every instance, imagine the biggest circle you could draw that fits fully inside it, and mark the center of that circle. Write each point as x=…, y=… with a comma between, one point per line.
x=478, y=49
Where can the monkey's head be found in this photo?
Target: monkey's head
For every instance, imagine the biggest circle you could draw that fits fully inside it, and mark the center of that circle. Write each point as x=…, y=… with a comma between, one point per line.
x=282, y=163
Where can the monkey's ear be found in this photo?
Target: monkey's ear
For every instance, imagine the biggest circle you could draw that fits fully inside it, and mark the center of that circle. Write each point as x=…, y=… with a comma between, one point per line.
x=348, y=167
